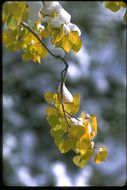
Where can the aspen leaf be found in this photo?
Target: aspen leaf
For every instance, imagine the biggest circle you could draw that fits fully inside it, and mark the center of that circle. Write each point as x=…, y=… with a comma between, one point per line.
x=94, y=126
x=36, y=58
x=63, y=123
x=57, y=127
x=73, y=107
x=59, y=141
x=112, y=5
x=50, y=111
x=73, y=37
x=82, y=160
x=83, y=115
x=83, y=146
x=66, y=145
x=12, y=23
x=76, y=47
x=101, y=155
x=53, y=120
x=49, y=97
x=76, y=131
x=76, y=101
x=26, y=56
x=58, y=133
x=66, y=44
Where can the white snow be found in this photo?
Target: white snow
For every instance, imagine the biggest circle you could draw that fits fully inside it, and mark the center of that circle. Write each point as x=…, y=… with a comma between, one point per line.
x=66, y=94
x=74, y=27
x=64, y=16
x=35, y=7
x=66, y=29
x=78, y=121
x=56, y=22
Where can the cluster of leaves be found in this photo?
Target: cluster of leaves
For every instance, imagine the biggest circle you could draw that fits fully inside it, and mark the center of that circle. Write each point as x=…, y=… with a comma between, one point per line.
x=71, y=133
x=17, y=37
x=116, y=6
x=59, y=38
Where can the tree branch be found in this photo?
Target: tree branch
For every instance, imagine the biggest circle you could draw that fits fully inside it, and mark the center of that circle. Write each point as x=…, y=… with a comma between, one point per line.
x=63, y=72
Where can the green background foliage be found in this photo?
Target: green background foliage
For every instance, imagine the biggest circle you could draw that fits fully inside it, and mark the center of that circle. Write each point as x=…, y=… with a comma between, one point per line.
x=98, y=73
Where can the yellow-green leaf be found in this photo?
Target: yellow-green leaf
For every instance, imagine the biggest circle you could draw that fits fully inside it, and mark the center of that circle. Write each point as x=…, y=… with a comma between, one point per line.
x=12, y=23
x=53, y=120
x=83, y=145
x=66, y=145
x=113, y=5
x=76, y=101
x=76, y=131
x=51, y=111
x=94, y=126
x=26, y=56
x=49, y=97
x=82, y=160
x=58, y=133
x=59, y=141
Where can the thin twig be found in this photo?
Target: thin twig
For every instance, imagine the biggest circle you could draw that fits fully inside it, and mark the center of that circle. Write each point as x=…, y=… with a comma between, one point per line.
x=64, y=71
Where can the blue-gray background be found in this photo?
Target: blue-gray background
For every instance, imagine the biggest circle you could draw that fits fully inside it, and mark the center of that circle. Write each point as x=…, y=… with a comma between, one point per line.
x=98, y=73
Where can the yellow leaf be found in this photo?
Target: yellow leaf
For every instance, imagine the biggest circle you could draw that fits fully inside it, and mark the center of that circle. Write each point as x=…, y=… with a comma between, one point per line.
x=66, y=44
x=51, y=111
x=49, y=97
x=76, y=131
x=82, y=160
x=36, y=58
x=83, y=115
x=101, y=155
x=76, y=101
x=94, y=126
x=113, y=5
x=26, y=56
x=58, y=133
x=47, y=31
x=77, y=47
x=83, y=146
x=73, y=37
x=64, y=123
x=66, y=145
x=53, y=120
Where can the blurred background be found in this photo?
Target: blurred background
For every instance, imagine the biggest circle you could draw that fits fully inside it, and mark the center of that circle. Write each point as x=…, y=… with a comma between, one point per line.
x=98, y=73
